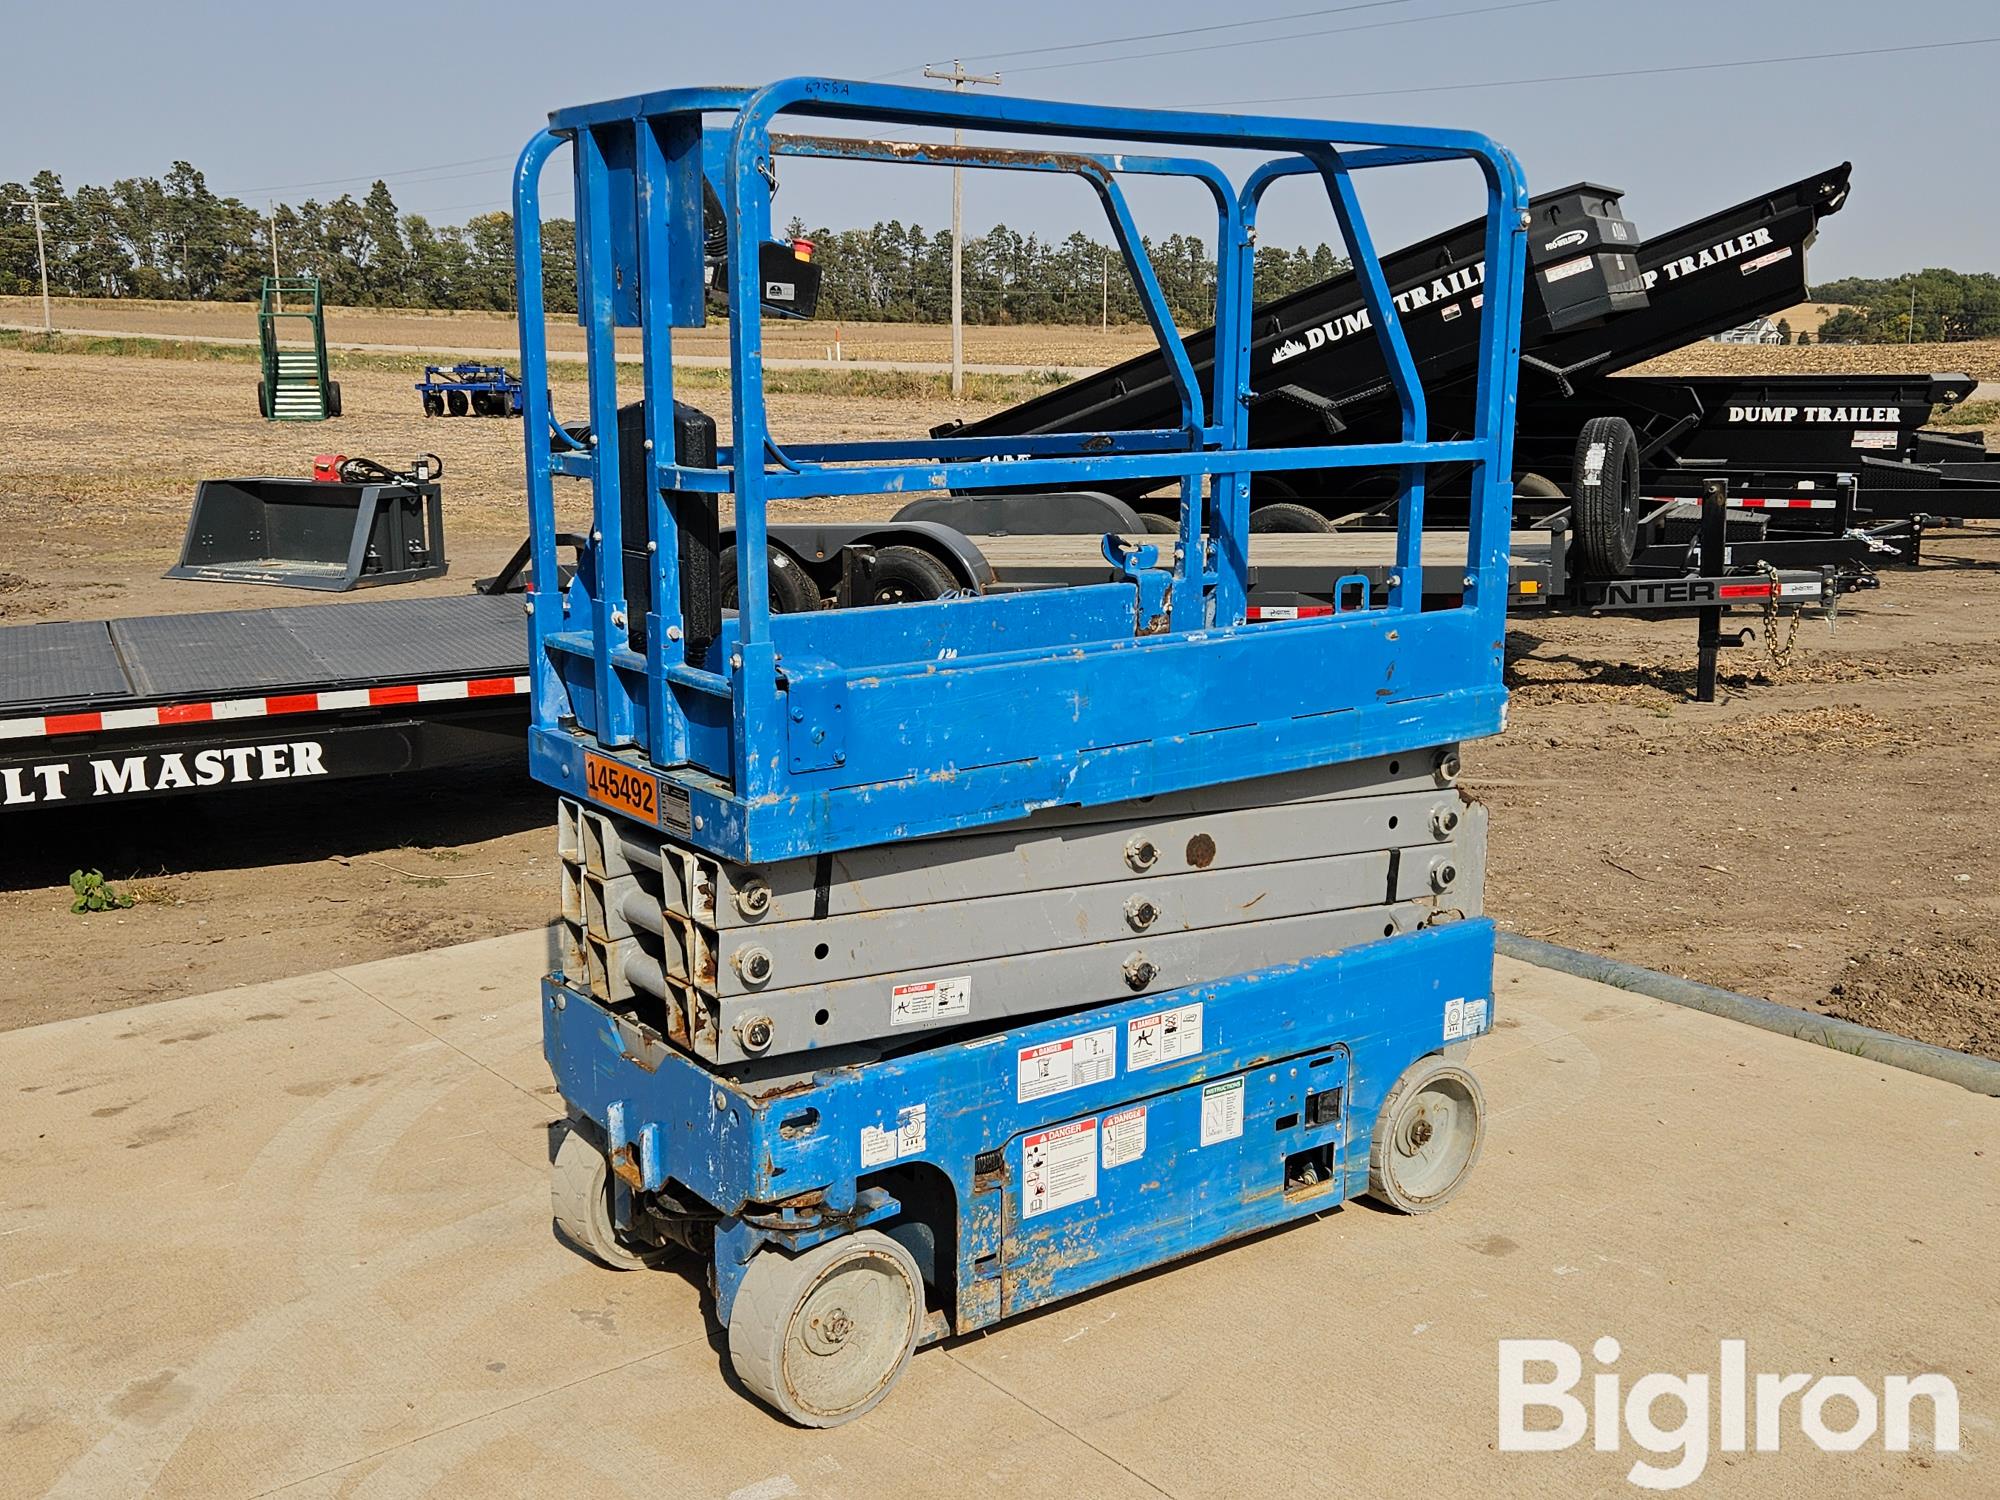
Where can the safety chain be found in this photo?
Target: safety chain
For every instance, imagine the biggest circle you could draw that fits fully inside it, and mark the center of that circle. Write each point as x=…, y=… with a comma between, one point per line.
x=1779, y=655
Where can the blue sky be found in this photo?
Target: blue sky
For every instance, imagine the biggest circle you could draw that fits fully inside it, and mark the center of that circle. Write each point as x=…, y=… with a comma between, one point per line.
x=298, y=101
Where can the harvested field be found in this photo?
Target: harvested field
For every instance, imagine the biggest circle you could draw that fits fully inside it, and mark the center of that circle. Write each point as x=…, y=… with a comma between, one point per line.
x=1818, y=837
x=927, y=343
x=1979, y=358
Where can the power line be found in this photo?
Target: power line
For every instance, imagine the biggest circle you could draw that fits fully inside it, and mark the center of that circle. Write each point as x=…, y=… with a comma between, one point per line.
x=287, y=187
x=1290, y=36
x=1507, y=83
x=1156, y=36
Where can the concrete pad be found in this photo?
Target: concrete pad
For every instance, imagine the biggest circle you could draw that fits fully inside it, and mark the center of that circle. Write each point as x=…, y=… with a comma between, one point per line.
x=294, y=1238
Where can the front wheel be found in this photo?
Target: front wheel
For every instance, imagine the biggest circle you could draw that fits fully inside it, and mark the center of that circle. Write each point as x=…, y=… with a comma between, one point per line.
x=822, y=1337
x=1427, y=1136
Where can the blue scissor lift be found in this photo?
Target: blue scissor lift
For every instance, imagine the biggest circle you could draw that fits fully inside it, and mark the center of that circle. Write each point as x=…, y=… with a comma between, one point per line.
x=926, y=963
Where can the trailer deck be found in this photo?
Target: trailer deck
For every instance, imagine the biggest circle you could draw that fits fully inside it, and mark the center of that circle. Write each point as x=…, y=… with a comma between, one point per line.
x=1307, y=563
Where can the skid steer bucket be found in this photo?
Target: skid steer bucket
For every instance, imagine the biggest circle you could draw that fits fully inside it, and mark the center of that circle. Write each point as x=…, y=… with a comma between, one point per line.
x=313, y=534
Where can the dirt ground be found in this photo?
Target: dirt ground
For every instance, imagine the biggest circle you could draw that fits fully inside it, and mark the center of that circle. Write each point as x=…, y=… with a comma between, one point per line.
x=1818, y=837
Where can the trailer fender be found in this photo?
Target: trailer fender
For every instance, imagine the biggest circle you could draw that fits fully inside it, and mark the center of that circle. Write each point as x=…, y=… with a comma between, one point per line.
x=817, y=548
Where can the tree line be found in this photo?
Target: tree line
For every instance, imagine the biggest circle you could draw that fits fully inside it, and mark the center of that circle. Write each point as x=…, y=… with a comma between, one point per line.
x=902, y=273
x=174, y=239
x=1948, y=306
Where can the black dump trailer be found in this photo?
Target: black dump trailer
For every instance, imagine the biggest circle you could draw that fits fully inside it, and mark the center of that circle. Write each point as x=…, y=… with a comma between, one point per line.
x=1599, y=301
x=1316, y=364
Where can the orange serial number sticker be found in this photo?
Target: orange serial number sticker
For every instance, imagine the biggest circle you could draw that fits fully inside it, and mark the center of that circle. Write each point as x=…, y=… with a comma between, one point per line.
x=618, y=785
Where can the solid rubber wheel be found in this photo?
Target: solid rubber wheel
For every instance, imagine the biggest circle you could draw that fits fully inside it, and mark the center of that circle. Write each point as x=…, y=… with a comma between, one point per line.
x=907, y=575
x=1426, y=1137
x=792, y=592
x=580, y=1192
x=1604, y=499
x=822, y=1337
x=1288, y=516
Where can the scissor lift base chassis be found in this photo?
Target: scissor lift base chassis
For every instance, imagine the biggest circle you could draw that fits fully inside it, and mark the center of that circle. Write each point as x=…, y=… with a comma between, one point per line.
x=965, y=1149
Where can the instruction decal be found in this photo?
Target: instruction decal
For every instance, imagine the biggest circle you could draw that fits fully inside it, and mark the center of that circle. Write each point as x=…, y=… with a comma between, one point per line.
x=1163, y=1037
x=1222, y=1111
x=879, y=1146
x=1057, y=1067
x=930, y=1000
x=1475, y=1017
x=1058, y=1167
x=1124, y=1136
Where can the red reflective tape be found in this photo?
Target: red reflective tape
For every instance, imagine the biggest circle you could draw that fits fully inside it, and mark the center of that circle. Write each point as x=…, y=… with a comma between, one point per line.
x=402, y=692
x=1745, y=591
x=186, y=713
x=72, y=723
x=490, y=687
x=292, y=703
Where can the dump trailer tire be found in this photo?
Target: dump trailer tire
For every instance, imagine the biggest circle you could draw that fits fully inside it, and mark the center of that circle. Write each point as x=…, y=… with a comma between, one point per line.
x=792, y=592
x=1605, y=498
x=822, y=1337
x=1287, y=516
x=333, y=398
x=580, y=1189
x=909, y=575
x=1427, y=1136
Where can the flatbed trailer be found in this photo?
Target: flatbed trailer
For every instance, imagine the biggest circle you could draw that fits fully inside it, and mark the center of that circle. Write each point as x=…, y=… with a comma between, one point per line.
x=100, y=711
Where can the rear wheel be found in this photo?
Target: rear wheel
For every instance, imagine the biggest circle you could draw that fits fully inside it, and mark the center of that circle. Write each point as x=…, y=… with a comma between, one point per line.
x=581, y=1194
x=1605, y=498
x=909, y=575
x=1427, y=1136
x=1288, y=516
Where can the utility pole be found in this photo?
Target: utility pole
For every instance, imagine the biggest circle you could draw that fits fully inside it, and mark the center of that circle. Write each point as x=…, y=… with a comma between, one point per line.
x=1104, y=297
x=958, y=79
x=41, y=256
x=274, y=258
